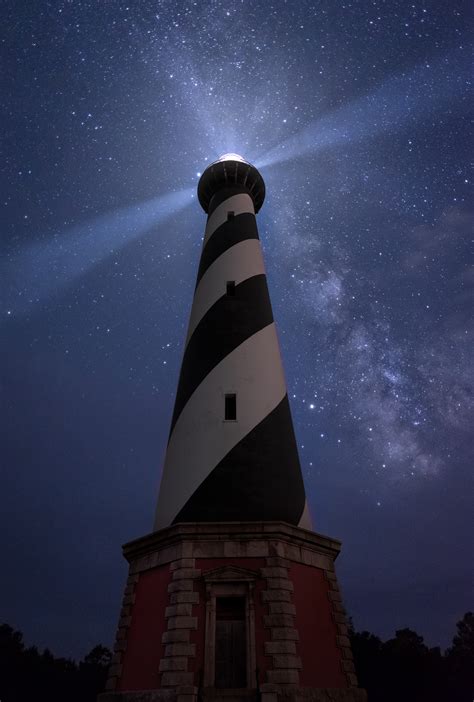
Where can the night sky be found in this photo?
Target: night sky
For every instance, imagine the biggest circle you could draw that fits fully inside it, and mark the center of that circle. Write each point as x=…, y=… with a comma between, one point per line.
x=357, y=115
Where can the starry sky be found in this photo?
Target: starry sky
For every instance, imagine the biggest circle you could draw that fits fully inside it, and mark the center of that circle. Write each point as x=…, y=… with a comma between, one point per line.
x=357, y=115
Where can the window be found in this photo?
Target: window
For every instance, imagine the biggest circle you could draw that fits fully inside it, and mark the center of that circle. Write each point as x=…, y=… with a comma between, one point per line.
x=230, y=215
x=230, y=412
x=230, y=288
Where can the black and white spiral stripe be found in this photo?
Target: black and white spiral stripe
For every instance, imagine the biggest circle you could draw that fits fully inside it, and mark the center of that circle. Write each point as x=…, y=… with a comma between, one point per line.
x=247, y=469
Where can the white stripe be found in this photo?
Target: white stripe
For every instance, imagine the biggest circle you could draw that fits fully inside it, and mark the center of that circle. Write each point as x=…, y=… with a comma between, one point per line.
x=305, y=521
x=238, y=204
x=240, y=262
x=201, y=438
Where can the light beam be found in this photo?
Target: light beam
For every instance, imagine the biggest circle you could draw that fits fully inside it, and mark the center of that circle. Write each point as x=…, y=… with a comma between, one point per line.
x=47, y=267
x=401, y=101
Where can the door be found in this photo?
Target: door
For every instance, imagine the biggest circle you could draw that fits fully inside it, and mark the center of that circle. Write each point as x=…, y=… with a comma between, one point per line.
x=231, y=647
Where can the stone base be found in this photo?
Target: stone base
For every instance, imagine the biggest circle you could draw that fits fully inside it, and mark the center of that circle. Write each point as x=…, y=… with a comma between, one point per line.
x=275, y=693
x=141, y=696
x=296, y=636
x=268, y=693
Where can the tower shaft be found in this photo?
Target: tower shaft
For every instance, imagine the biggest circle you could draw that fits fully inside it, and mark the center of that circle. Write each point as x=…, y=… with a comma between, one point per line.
x=232, y=453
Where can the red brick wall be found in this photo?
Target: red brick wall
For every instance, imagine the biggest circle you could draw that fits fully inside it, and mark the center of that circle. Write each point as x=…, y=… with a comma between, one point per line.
x=144, y=648
x=320, y=656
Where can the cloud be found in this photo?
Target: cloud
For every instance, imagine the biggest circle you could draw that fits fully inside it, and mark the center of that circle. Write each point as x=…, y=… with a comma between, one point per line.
x=449, y=382
x=390, y=418
x=435, y=246
x=406, y=390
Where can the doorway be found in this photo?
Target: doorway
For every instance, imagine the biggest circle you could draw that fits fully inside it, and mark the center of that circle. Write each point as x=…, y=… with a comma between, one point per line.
x=230, y=646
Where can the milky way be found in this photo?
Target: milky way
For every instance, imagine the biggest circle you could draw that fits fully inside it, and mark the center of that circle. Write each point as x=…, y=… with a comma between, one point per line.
x=357, y=114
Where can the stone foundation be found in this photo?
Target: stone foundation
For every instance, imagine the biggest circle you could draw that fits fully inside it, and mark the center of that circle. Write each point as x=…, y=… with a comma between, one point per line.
x=297, y=643
x=268, y=693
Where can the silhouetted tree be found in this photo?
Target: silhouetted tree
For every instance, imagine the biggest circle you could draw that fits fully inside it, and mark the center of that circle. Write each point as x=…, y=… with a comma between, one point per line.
x=400, y=669
x=404, y=668
x=460, y=660
x=93, y=671
x=26, y=674
x=367, y=652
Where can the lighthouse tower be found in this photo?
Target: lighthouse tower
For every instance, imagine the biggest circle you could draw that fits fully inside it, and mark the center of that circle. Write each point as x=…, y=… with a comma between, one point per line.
x=232, y=453
x=233, y=596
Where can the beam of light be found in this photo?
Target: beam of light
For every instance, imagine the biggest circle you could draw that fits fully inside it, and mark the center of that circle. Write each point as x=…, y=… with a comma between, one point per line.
x=400, y=102
x=47, y=267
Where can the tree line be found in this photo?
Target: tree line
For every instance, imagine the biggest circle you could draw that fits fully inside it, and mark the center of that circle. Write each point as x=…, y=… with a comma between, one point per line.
x=405, y=669
x=402, y=669
x=27, y=674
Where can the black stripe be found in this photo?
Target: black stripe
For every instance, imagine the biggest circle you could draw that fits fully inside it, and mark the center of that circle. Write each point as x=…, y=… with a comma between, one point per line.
x=239, y=228
x=259, y=479
x=224, y=194
x=228, y=323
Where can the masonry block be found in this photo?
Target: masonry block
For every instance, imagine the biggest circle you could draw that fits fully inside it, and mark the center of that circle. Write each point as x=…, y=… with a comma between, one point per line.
x=186, y=573
x=180, y=586
x=274, y=572
x=283, y=677
x=282, y=608
x=339, y=617
x=284, y=633
x=173, y=663
x=352, y=679
x=176, y=636
x=182, y=623
x=342, y=629
x=272, y=647
x=120, y=645
x=334, y=595
x=270, y=620
x=185, y=596
x=179, y=610
x=111, y=683
x=277, y=562
x=183, y=563
x=275, y=596
x=279, y=584
x=283, y=660
x=115, y=671
x=180, y=649
x=175, y=678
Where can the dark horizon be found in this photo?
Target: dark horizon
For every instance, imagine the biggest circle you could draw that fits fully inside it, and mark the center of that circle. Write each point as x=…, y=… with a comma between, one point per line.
x=357, y=116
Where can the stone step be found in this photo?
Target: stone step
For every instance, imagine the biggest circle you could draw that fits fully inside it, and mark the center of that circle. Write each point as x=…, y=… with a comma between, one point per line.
x=227, y=695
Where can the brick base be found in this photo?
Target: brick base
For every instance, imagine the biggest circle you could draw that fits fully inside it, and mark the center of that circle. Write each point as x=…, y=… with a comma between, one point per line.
x=268, y=693
x=296, y=629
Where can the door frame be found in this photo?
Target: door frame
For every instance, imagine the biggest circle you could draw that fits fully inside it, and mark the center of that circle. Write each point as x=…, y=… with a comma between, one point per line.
x=229, y=581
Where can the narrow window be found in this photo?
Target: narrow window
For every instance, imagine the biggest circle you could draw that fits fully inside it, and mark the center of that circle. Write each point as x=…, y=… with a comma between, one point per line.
x=230, y=288
x=231, y=649
x=230, y=215
x=231, y=407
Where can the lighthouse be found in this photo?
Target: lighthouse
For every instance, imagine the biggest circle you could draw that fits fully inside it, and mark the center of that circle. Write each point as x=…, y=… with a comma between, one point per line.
x=232, y=454
x=232, y=596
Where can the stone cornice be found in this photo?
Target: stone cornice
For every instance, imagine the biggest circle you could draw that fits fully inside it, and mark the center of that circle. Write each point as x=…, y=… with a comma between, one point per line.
x=228, y=532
